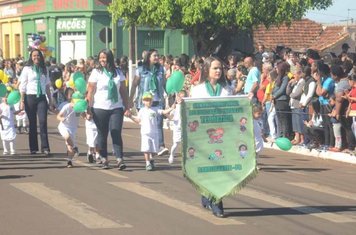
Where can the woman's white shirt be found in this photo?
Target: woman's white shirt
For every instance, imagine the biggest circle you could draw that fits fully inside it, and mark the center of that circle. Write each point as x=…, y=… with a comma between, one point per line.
x=28, y=81
x=200, y=91
x=101, y=100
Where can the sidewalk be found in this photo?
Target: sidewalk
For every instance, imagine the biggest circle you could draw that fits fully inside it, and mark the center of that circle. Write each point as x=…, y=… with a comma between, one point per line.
x=343, y=157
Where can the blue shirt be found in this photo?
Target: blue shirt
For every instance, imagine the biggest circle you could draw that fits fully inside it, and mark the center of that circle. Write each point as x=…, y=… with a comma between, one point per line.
x=252, y=77
x=327, y=84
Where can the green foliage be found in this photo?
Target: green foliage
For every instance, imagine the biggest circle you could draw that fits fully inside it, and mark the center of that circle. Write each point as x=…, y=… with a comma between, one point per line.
x=202, y=18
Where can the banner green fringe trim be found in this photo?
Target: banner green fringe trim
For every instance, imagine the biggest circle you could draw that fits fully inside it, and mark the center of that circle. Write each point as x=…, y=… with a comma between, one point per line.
x=204, y=192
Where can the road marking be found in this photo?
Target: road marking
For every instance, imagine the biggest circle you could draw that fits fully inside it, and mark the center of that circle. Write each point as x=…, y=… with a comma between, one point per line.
x=325, y=189
x=174, y=203
x=71, y=207
x=333, y=217
x=108, y=172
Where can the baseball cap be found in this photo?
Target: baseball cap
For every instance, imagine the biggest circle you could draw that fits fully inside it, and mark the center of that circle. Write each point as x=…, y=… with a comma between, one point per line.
x=147, y=96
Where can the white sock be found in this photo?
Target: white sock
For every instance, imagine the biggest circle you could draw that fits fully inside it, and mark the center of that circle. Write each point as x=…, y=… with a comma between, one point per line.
x=97, y=156
x=12, y=146
x=4, y=144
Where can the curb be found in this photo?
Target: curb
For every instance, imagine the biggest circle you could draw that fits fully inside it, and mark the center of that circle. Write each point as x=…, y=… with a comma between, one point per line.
x=341, y=157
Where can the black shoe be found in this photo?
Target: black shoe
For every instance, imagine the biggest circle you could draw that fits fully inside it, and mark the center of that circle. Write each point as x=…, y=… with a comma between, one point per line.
x=69, y=164
x=219, y=214
x=208, y=207
x=152, y=162
x=19, y=130
x=105, y=165
x=90, y=158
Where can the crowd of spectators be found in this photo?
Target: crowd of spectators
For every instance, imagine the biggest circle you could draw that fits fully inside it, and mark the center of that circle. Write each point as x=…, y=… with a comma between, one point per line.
x=306, y=97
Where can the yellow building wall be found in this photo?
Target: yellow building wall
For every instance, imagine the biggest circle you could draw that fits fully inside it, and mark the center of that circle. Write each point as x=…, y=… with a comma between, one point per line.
x=11, y=38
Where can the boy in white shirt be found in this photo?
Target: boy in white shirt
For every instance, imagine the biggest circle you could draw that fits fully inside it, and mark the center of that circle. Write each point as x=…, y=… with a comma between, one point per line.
x=177, y=121
x=147, y=118
x=68, y=127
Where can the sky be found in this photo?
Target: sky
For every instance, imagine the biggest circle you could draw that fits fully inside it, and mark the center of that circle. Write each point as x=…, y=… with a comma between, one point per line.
x=336, y=14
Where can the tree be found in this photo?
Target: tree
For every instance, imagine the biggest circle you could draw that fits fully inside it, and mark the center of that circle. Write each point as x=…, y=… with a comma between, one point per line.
x=212, y=23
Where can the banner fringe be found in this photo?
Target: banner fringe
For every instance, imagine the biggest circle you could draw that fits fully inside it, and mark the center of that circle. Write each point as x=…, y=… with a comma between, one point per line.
x=204, y=192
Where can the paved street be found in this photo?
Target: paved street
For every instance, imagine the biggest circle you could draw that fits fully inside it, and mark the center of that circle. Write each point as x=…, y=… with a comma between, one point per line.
x=293, y=194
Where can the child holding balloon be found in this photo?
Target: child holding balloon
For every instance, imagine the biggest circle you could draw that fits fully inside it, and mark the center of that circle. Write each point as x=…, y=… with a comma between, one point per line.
x=68, y=126
x=8, y=131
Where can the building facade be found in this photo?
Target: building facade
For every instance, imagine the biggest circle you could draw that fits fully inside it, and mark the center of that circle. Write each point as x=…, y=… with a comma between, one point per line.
x=74, y=29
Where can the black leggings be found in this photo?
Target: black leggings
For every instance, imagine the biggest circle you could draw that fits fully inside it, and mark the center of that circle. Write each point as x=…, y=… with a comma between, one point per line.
x=105, y=121
x=37, y=107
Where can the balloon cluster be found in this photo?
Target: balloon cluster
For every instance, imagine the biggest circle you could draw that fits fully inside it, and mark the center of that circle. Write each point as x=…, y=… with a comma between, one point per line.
x=39, y=42
x=77, y=82
x=13, y=96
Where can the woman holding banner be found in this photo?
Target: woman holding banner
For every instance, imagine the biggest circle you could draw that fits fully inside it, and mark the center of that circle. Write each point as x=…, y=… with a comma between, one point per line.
x=212, y=83
x=107, y=99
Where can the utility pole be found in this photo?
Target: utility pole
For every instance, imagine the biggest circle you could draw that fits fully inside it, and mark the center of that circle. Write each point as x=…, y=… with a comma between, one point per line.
x=132, y=50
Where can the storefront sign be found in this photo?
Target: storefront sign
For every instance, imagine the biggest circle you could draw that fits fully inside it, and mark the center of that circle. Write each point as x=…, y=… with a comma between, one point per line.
x=71, y=24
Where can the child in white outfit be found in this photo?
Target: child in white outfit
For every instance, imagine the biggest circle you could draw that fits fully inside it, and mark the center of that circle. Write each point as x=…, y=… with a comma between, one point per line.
x=177, y=121
x=8, y=131
x=91, y=133
x=67, y=127
x=147, y=118
x=21, y=119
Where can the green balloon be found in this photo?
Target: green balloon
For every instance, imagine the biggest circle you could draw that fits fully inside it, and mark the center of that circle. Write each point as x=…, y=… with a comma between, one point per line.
x=175, y=82
x=77, y=95
x=80, y=106
x=14, y=97
x=283, y=143
x=77, y=75
x=3, y=90
x=81, y=85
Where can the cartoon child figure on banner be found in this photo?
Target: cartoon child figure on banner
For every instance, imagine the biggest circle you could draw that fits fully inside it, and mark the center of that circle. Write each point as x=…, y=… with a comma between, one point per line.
x=193, y=126
x=243, y=122
x=217, y=155
x=243, y=151
x=191, y=152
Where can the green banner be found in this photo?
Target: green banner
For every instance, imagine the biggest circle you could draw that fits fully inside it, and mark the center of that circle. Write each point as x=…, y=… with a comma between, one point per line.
x=218, y=144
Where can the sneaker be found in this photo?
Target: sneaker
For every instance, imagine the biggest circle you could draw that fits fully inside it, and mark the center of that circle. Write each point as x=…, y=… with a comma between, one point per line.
x=170, y=159
x=90, y=158
x=98, y=160
x=149, y=167
x=105, y=164
x=45, y=152
x=5, y=152
x=162, y=151
x=25, y=130
x=152, y=163
x=69, y=164
x=120, y=164
x=12, y=152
